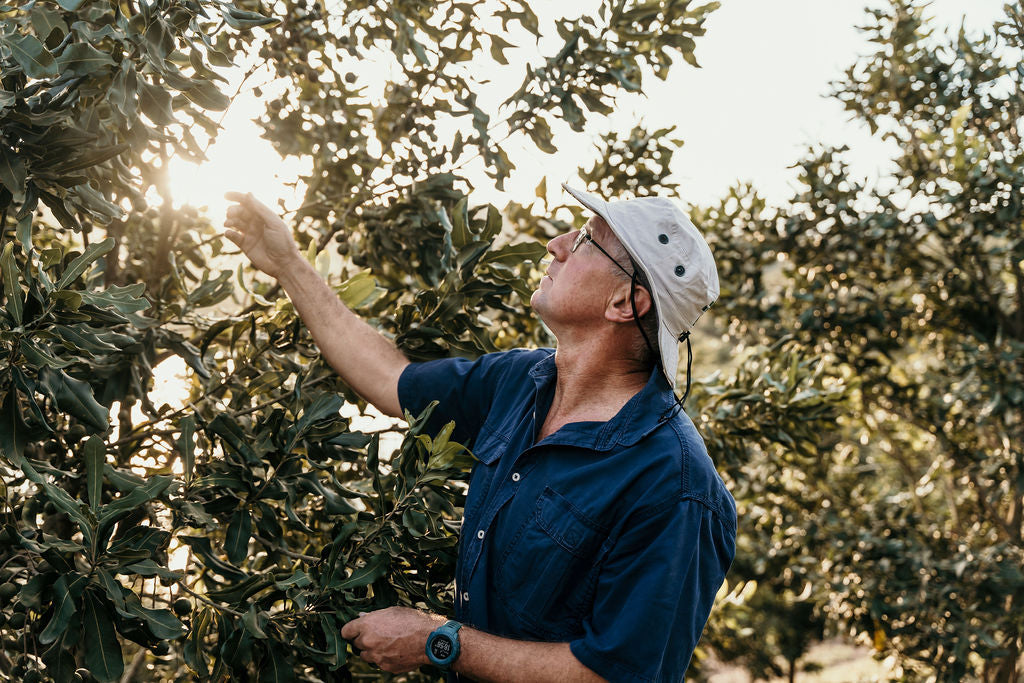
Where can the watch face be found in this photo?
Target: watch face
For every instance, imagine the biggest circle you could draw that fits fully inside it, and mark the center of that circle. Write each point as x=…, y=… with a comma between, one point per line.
x=441, y=647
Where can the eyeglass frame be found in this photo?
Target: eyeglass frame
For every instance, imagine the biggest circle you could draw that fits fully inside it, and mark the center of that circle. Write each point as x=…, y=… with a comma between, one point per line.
x=585, y=236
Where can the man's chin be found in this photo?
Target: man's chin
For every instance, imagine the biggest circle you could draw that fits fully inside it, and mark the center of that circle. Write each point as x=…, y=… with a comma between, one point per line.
x=537, y=302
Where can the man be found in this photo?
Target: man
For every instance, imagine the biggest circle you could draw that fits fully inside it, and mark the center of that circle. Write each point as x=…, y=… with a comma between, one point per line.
x=596, y=530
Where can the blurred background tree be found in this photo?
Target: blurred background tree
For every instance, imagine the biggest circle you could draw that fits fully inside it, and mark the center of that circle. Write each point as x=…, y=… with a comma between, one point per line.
x=904, y=528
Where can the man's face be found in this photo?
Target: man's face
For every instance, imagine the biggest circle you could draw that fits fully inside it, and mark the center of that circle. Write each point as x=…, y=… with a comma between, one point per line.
x=577, y=286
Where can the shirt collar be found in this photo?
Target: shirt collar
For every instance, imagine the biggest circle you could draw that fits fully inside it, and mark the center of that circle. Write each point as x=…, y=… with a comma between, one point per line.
x=635, y=420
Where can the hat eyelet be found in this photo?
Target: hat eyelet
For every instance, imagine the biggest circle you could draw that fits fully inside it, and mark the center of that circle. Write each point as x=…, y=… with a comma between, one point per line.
x=663, y=238
x=680, y=271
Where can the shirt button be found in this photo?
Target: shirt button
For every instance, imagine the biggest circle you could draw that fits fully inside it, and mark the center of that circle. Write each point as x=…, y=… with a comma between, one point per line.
x=465, y=596
x=480, y=534
x=515, y=476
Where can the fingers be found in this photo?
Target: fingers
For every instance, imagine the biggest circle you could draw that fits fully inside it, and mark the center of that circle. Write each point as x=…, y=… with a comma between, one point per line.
x=350, y=630
x=251, y=204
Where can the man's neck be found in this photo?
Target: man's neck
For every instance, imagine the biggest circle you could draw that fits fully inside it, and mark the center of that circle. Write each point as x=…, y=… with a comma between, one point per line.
x=591, y=384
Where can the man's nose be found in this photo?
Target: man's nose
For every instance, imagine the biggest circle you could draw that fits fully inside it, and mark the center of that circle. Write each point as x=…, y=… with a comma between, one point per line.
x=559, y=246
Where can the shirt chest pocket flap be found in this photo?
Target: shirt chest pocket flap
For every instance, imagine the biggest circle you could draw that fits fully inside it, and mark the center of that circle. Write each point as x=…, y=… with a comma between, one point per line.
x=543, y=576
x=566, y=525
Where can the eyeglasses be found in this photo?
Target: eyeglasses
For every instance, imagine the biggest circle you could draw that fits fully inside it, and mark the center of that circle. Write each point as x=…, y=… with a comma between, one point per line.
x=584, y=236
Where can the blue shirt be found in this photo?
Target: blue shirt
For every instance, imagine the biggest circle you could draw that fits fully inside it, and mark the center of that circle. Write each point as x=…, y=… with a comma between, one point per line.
x=612, y=536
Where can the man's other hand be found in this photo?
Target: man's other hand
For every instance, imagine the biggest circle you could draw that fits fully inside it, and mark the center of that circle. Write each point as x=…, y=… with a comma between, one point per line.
x=395, y=639
x=261, y=234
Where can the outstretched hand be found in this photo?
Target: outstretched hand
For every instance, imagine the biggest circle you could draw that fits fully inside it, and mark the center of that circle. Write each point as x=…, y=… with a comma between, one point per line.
x=261, y=234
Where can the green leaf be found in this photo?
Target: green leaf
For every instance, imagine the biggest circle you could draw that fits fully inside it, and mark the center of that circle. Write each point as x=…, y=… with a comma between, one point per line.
x=126, y=299
x=236, y=540
x=60, y=211
x=155, y=103
x=82, y=59
x=516, y=253
x=92, y=157
x=12, y=283
x=498, y=47
x=14, y=433
x=299, y=579
x=367, y=574
x=207, y=96
x=336, y=647
x=12, y=172
x=241, y=19
x=324, y=406
x=150, y=568
x=78, y=266
x=233, y=437
x=461, y=235
x=159, y=39
x=28, y=388
x=153, y=488
x=253, y=621
x=71, y=5
x=24, y=232
x=31, y=594
x=45, y=21
x=117, y=509
x=276, y=666
x=58, y=497
x=187, y=446
x=123, y=92
x=358, y=289
x=161, y=622
x=494, y=223
x=65, y=596
x=32, y=56
x=75, y=397
x=41, y=357
x=95, y=453
x=102, y=651
x=115, y=591
x=193, y=652
x=60, y=658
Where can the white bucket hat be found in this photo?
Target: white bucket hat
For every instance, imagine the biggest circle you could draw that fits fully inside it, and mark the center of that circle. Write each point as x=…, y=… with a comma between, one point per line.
x=673, y=255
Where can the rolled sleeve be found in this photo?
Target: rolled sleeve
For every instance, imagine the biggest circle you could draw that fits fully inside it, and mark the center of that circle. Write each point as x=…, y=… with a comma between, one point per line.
x=655, y=591
x=464, y=389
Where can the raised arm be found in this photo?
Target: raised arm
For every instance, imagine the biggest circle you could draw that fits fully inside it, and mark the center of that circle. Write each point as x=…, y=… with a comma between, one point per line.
x=369, y=362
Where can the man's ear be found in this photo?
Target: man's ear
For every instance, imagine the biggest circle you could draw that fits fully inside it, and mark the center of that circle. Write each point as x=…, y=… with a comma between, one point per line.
x=619, y=309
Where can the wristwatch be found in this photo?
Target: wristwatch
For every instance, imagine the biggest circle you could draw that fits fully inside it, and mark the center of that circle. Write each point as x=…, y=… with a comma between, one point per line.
x=443, y=645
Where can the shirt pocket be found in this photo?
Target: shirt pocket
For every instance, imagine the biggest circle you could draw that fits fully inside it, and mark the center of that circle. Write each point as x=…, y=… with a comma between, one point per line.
x=546, y=574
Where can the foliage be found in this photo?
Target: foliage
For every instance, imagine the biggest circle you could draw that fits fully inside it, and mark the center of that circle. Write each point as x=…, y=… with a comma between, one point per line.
x=230, y=538
x=910, y=512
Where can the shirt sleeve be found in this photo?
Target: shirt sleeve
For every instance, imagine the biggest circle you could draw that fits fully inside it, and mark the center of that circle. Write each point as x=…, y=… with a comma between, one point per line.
x=463, y=388
x=655, y=591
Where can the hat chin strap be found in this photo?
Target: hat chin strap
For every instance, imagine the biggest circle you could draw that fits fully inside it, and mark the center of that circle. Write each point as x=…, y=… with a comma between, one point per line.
x=678, y=404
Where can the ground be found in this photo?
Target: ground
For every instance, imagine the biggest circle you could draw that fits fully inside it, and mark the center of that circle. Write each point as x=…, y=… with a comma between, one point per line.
x=841, y=663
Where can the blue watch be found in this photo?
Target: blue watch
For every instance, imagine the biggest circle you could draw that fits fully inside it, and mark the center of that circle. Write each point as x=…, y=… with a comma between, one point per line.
x=443, y=645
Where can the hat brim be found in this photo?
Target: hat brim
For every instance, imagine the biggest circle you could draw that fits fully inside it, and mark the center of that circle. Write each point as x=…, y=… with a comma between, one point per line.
x=668, y=345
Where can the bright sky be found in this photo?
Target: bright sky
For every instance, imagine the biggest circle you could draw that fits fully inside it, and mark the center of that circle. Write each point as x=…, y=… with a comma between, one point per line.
x=748, y=114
